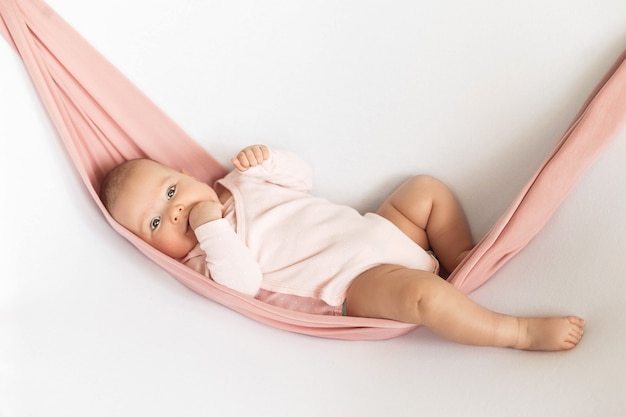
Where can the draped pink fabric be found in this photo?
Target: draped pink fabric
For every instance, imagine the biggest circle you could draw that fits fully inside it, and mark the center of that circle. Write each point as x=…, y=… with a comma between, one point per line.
x=104, y=119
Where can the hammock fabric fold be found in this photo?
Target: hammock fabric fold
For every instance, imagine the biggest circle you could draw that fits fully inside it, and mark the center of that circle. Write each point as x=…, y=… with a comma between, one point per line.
x=103, y=119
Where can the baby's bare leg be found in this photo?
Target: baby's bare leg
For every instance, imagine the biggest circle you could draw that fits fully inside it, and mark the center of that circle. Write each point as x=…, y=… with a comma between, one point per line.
x=427, y=211
x=420, y=297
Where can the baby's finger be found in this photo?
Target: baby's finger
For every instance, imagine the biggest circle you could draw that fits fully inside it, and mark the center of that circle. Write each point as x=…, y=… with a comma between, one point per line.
x=254, y=155
x=241, y=162
x=266, y=152
x=259, y=153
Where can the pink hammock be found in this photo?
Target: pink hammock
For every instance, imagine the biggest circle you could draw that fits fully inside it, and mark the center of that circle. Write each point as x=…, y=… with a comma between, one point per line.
x=103, y=119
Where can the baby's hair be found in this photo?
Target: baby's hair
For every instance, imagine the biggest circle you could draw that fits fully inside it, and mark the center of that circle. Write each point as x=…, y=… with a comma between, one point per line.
x=115, y=180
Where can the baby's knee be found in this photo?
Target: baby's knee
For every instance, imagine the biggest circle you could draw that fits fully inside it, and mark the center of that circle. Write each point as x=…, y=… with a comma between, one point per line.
x=424, y=294
x=419, y=294
x=431, y=186
x=427, y=182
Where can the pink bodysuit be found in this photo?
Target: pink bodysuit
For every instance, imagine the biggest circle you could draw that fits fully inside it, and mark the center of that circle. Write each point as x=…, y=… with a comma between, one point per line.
x=276, y=238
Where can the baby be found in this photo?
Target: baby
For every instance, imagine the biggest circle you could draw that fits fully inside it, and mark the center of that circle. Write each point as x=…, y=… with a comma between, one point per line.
x=259, y=231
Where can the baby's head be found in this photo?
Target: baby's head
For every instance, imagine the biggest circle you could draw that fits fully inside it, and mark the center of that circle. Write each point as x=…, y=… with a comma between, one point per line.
x=153, y=201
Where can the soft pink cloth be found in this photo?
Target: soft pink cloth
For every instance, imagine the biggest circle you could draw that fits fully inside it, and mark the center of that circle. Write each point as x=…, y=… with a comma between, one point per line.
x=103, y=119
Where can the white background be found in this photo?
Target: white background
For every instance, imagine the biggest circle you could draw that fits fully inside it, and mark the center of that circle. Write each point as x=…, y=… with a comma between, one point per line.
x=368, y=92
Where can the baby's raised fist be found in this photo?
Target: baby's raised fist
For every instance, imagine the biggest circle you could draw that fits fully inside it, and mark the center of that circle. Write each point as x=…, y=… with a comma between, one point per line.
x=250, y=157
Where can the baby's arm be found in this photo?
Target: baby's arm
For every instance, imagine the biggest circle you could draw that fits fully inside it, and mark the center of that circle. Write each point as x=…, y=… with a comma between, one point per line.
x=228, y=260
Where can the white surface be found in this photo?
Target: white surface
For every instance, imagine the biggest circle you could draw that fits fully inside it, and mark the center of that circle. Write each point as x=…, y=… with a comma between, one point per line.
x=476, y=93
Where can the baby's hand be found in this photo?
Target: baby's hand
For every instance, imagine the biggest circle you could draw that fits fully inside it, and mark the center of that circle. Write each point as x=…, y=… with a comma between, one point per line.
x=204, y=212
x=250, y=157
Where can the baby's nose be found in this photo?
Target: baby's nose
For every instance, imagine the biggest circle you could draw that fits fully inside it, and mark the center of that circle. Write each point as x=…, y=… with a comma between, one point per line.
x=176, y=213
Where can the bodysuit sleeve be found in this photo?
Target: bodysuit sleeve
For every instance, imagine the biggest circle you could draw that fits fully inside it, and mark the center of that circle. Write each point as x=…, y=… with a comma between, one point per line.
x=228, y=260
x=285, y=169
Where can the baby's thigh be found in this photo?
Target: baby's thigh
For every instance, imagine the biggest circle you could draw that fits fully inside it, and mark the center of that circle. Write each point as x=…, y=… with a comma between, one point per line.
x=389, y=292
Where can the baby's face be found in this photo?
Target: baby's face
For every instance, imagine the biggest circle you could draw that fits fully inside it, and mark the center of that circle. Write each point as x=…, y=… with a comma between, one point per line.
x=155, y=204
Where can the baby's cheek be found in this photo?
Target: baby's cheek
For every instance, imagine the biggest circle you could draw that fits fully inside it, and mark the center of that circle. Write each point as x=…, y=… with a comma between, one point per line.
x=172, y=245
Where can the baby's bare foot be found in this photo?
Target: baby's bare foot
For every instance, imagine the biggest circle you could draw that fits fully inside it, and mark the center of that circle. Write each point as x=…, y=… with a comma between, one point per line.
x=550, y=333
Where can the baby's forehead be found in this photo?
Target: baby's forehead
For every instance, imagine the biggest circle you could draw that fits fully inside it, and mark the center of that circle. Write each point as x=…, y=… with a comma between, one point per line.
x=149, y=167
x=141, y=173
x=149, y=163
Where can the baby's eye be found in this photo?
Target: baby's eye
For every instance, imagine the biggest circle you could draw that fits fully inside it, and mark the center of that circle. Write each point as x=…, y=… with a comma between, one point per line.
x=155, y=223
x=170, y=192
